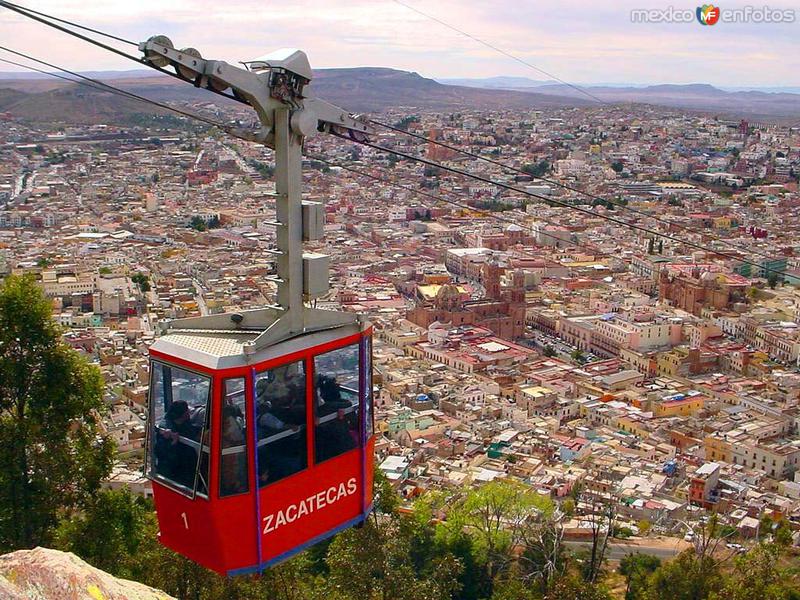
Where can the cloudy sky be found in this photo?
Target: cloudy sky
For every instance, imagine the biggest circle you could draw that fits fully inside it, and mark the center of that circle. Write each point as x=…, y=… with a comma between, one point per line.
x=580, y=41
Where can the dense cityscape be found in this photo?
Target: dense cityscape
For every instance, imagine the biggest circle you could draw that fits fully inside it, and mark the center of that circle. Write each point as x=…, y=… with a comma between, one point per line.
x=608, y=315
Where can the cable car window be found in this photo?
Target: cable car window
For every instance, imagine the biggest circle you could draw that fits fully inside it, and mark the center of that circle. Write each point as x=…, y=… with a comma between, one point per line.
x=336, y=402
x=180, y=430
x=233, y=434
x=281, y=421
x=368, y=425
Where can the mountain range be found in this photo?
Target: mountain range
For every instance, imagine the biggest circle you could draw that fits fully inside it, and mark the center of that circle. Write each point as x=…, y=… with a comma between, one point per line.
x=374, y=89
x=782, y=103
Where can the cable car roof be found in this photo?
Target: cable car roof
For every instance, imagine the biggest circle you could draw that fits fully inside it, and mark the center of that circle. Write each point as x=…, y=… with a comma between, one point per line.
x=216, y=349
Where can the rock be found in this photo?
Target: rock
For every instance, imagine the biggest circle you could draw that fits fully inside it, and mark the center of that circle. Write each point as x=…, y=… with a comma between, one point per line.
x=44, y=574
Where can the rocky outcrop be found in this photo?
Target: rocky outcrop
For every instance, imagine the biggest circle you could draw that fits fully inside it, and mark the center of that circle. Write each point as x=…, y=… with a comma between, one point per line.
x=44, y=574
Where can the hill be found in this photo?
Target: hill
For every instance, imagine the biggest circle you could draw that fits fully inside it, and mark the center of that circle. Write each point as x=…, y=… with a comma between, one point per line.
x=781, y=104
x=375, y=89
x=359, y=89
x=75, y=104
x=9, y=97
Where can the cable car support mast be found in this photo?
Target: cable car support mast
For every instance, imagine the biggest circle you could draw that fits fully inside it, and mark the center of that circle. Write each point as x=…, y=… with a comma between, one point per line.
x=277, y=87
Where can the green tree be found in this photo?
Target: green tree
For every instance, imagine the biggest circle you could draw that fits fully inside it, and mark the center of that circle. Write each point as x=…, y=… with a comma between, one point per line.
x=498, y=516
x=617, y=166
x=375, y=561
x=578, y=356
x=51, y=455
x=758, y=575
x=686, y=577
x=142, y=281
x=644, y=526
x=572, y=587
x=536, y=170
x=108, y=532
x=198, y=224
x=651, y=246
x=636, y=568
x=772, y=280
x=568, y=506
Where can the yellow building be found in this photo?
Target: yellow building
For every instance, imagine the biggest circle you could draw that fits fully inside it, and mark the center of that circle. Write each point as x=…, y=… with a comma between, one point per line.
x=632, y=425
x=679, y=407
x=671, y=363
x=718, y=448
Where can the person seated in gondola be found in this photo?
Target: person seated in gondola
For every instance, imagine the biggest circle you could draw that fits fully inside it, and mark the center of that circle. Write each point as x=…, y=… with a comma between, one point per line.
x=338, y=434
x=176, y=460
x=280, y=407
x=234, y=465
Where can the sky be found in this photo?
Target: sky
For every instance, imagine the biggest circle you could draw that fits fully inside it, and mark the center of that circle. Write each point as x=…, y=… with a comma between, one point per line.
x=578, y=41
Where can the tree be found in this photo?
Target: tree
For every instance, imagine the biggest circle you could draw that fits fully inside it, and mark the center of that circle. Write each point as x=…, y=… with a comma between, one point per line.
x=617, y=166
x=375, y=561
x=643, y=526
x=568, y=506
x=772, y=280
x=636, y=568
x=108, y=532
x=198, y=224
x=572, y=587
x=52, y=456
x=600, y=516
x=142, y=281
x=498, y=516
x=651, y=246
x=545, y=558
x=758, y=575
x=686, y=577
x=406, y=121
x=536, y=170
x=578, y=356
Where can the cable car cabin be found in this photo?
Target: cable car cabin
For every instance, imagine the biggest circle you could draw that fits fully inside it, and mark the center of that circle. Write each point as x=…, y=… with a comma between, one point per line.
x=254, y=457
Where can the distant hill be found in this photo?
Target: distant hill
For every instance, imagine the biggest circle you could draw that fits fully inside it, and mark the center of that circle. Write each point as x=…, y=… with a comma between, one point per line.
x=374, y=89
x=766, y=104
x=10, y=97
x=74, y=104
x=697, y=96
x=501, y=82
x=360, y=90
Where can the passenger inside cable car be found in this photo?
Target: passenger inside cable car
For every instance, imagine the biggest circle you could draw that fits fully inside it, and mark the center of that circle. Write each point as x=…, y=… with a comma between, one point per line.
x=233, y=465
x=182, y=430
x=281, y=410
x=336, y=402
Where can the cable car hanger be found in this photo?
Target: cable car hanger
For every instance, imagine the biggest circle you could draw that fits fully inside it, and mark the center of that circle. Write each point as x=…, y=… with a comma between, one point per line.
x=276, y=86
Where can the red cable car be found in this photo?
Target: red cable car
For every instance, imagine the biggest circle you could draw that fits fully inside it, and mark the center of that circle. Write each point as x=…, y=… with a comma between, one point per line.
x=254, y=458
x=260, y=436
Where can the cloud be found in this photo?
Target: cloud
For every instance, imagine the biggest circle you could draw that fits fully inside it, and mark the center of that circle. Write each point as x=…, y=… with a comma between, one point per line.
x=581, y=41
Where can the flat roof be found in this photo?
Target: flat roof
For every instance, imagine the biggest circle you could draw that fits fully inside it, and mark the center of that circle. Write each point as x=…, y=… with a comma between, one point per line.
x=225, y=350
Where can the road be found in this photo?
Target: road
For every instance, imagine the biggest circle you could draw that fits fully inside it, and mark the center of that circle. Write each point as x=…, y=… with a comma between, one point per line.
x=660, y=547
x=201, y=301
